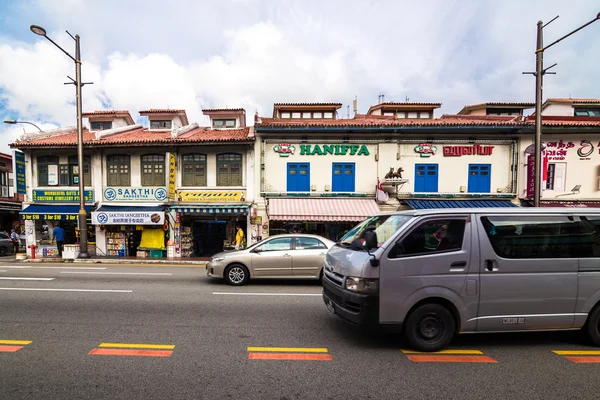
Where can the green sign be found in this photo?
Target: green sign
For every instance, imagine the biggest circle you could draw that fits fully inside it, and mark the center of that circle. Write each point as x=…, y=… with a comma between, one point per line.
x=334, y=149
x=61, y=196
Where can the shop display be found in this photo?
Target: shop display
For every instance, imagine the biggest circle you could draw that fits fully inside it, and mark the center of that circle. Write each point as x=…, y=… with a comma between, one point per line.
x=187, y=242
x=116, y=244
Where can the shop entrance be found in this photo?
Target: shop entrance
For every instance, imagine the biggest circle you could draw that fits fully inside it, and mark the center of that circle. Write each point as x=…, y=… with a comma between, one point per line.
x=209, y=237
x=330, y=230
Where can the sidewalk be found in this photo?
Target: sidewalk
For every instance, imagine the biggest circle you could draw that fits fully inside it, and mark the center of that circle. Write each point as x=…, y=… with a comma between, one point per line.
x=189, y=262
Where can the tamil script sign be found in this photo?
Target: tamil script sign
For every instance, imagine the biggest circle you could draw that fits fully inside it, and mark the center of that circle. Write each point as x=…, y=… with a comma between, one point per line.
x=127, y=218
x=135, y=194
x=19, y=168
x=203, y=196
x=60, y=196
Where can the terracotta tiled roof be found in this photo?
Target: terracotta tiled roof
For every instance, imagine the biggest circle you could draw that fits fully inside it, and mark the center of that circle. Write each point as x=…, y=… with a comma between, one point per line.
x=562, y=121
x=572, y=101
x=407, y=103
x=205, y=110
x=143, y=136
x=104, y=112
x=497, y=104
x=161, y=111
x=276, y=105
x=515, y=118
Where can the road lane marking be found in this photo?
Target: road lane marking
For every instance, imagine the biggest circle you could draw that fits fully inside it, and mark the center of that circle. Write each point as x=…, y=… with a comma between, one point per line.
x=2, y=270
x=138, y=346
x=68, y=290
x=21, y=342
x=457, y=352
x=584, y=359
x=289, y=349
x=452, y=359
x=577, y=352
x=22, y=278
x=28, y=267
x=116, y=273
x=289, y=356
x=267, y=294
x=10, y=349
x=128, y=352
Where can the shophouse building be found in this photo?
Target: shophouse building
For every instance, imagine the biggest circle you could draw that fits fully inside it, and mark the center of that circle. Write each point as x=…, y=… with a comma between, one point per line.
x=10, y=197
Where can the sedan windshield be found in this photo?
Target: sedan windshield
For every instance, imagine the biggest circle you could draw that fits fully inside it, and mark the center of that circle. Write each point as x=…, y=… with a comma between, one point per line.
x=385, y=226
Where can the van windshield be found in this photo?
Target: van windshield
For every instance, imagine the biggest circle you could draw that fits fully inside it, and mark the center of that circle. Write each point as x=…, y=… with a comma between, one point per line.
x=385, y=227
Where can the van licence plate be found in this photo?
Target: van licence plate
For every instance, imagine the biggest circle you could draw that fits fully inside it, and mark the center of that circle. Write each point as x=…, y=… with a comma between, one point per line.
x=330, y=306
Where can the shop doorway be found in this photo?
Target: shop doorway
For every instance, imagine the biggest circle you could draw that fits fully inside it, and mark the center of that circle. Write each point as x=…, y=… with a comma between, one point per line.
x=209, y=237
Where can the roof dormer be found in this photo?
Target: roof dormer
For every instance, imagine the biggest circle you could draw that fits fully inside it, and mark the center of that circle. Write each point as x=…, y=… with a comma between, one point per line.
x=403, y=110
x=496, y=108
x=226, y=118
x=306, y=110
x=108, y=119
x=570, y=107
x=165, y=119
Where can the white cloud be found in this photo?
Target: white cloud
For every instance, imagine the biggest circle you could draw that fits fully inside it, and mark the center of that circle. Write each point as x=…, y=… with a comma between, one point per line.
x=251, y=53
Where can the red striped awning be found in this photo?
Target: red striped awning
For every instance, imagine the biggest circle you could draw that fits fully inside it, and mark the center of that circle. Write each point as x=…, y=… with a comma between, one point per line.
x=321, y=210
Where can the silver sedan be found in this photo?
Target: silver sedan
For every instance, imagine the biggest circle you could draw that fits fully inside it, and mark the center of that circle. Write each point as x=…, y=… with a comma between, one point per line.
x=292, y=256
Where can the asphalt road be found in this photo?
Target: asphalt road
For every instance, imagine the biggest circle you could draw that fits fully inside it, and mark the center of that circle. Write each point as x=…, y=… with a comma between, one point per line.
x=224, y=338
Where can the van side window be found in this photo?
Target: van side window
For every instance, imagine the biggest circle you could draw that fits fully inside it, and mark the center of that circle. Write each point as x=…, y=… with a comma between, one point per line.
x=536, y=236
x=431, y=237
x=588, y=245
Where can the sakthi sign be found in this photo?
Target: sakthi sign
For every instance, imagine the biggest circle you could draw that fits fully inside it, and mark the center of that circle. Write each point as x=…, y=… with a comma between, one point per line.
x=128, y=218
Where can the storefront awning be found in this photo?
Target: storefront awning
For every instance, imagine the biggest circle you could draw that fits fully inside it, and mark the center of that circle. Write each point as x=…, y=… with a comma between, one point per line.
x=129, y=215
x=213, y=209
x=432, y=204
x=322, y=210
x=52, y=212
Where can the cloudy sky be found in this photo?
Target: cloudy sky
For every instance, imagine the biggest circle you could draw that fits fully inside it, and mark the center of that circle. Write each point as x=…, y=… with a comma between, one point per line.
x=194, y=54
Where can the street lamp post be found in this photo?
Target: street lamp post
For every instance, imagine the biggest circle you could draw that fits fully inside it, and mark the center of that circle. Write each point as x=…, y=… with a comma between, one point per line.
x=82, y=218
x=539, y=73
x=14, y=121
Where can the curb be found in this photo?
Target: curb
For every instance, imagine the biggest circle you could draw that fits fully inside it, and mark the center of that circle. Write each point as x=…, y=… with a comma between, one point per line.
x=164, y=263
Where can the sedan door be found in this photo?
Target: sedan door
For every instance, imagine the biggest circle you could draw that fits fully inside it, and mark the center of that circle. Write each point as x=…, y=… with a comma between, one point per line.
x=308, y=256
x=273, y=258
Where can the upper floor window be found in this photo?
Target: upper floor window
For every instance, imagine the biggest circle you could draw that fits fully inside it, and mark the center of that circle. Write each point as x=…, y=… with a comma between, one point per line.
x=328, y=115
x=587, y=112
x=153, y=170
x=223, y=123
x=119, y=173
x=74, y=175
x=285, y=115
x=100, y=125
x=159, y=124
x=229, y=169
x=47, y=170
x=194, y=170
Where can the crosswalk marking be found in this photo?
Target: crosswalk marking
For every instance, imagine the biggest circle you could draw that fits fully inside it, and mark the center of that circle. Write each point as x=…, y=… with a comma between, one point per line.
x=139, y=346
x=580, y=356
x=449, y=356
x=133, y=349
x=289, y=349
x=289, y=353
x=12, y=346
x=458, y=351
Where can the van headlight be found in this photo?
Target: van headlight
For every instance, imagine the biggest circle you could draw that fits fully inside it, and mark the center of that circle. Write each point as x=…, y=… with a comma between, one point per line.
x=362, y=285
x=216, y=259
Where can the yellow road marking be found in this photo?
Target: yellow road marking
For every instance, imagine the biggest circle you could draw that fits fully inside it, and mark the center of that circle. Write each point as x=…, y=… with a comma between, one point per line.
x=138, y=346
x=289, y=349
x=577, y=352
x=19, y=342
x=444, y=352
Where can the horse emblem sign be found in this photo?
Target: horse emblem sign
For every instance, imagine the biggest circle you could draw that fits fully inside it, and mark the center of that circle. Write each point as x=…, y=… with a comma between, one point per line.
x=284, y=149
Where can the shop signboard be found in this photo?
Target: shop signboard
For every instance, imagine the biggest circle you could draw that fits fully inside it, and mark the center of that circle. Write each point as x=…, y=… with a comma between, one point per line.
x=60, y=196
x=211, y=196
x=334, y=149
x=19, y=168
x=128, y=218
x=49, y=217
x=474, y=150
x=172, y=176
x=135, y=193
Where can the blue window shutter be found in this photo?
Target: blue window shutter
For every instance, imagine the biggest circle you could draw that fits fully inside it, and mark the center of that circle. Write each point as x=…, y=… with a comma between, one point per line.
x=298, y=177
x=480, y=178
x=426, y=178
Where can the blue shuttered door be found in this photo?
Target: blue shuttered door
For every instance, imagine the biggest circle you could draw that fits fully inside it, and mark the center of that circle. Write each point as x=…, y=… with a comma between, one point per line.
x=343, y=177
x=298, y=177
x=426, y=178
x=480, y=178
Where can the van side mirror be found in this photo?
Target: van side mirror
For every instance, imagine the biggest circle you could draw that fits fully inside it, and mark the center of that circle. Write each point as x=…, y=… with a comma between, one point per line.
x=374, y=262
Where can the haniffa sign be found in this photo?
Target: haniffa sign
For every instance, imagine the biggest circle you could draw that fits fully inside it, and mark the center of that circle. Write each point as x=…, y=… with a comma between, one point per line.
x=334, y=149
x=475, y=150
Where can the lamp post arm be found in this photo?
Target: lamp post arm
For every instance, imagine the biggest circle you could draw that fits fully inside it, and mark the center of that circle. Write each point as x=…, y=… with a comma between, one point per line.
x=61, y=49
x=567, y=35
x=30, y=123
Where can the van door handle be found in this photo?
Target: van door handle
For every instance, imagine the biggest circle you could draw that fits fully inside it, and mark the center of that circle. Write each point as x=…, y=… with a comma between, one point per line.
x=489, y=265
x=287, y=255
x=458, y=266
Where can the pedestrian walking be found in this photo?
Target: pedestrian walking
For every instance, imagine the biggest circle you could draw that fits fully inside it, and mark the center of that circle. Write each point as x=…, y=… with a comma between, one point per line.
x=239, y=237
x=14, y=236
x=58, y=235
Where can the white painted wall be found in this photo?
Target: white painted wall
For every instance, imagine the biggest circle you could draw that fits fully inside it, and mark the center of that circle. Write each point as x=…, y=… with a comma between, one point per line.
x=558, y=110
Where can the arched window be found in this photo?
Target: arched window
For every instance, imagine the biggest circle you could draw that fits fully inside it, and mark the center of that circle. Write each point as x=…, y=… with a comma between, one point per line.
x=119, y=171
x=229, y=169
x=193, y=167
x=153, y=170
x=46, y=164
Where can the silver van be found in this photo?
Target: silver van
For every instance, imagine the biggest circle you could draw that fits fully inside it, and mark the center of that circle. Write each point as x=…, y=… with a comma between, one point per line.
x=435, y=273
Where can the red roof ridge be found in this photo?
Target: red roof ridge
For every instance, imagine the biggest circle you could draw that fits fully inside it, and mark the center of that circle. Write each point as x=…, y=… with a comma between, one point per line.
x=204, y=110
x=162, y=111
x=49, y=133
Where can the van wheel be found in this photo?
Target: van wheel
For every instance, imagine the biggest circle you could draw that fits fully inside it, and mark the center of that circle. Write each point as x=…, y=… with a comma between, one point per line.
x=592, y=326
x=3, y=251
x=237, y=275
x=429, y=327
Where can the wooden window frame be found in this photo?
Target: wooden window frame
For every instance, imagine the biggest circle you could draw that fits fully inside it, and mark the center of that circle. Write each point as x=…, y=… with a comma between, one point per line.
x=42, y=168
x=100, y=125
x=155, y=162
x=222, y=159
x=196, y=179
x=168, y=124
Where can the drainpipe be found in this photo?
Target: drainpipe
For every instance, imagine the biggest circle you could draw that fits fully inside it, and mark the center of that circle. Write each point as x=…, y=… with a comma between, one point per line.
x=514, y=167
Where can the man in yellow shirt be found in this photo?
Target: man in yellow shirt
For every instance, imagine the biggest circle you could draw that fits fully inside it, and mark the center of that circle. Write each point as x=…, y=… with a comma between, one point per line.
x=239, y=237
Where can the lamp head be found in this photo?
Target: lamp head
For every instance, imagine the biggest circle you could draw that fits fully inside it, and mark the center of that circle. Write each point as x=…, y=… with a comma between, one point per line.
x=38, y=30
x=10, y=121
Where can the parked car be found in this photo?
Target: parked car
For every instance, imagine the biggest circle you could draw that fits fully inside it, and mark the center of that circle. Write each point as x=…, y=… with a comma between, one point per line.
x=6, y=245
x=291, y=256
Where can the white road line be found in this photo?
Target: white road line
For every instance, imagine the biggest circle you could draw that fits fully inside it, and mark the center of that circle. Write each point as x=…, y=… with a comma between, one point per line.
x=68, y=290
x=24, y=267
x=267, y=294
x=21, y=278
x=116, y=273
x=2, y=270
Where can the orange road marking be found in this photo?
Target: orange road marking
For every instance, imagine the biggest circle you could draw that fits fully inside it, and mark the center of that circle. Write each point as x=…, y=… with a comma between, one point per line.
x=123, y=352
x=584, y=359
x=453, y=359
x=289, y=356
x=10, y=349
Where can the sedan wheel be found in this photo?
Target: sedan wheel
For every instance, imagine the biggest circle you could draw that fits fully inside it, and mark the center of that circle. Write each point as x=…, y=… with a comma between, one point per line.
x=237, y=275
x=3, y=251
